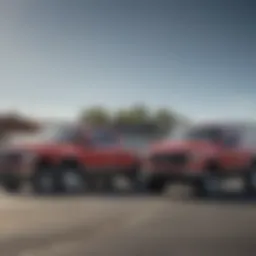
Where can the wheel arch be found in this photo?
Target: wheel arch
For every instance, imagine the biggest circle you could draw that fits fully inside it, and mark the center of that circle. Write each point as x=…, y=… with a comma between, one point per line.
x=253, y=161
x=69, y=161
x=212, y=165
x=43, y=162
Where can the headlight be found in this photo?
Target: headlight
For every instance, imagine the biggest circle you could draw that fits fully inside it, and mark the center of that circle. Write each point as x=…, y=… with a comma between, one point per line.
x=16, y=156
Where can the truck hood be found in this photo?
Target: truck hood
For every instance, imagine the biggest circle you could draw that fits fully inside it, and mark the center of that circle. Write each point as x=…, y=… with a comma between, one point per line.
x=181, y=146
x=43, y=148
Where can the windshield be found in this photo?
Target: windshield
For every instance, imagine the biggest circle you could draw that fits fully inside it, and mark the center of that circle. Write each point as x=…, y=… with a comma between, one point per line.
x=104, y=138
x=180, y=133
x=198, y=133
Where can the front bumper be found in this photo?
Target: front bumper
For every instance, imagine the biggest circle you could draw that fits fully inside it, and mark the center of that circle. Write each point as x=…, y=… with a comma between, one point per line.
x=20, y=170
x=175, y=175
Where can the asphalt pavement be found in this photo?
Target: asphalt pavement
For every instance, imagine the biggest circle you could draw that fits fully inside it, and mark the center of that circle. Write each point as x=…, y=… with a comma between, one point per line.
x=125, y=226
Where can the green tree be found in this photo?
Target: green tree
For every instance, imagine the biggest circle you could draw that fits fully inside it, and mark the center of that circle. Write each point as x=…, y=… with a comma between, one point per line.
x=164, y=119
x=137, y=114
x=96, y=116
x=122, y=116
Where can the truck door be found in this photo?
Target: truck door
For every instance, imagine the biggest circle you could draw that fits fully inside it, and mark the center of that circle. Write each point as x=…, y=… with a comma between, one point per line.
x=232, y=155
x=100, y=151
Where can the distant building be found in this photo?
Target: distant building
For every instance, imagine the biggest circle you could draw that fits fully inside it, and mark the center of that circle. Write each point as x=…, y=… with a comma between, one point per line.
x=10, y=124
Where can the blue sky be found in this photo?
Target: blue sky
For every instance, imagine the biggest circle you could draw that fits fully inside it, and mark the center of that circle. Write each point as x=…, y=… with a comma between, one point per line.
x=196, y=57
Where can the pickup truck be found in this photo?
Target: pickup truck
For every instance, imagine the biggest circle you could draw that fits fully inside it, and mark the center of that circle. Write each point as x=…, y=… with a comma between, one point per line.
x=66, y=159
x=211, y=157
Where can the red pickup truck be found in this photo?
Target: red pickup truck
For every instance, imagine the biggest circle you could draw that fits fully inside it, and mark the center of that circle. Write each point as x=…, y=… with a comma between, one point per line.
x=68, y=158
x=211, y=157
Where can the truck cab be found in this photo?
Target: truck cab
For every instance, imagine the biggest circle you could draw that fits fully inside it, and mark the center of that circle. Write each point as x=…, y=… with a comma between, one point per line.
x=201, y=155
x=65, y=158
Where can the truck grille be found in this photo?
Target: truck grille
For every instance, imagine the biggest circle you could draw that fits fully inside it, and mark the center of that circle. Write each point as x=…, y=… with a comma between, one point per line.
x=10, y=158
x=173, y=159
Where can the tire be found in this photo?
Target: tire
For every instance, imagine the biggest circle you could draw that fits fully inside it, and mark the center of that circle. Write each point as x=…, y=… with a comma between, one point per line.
x=108, y=184
x=71, y=179
x=155, y=185
x=44, y=181
x=12, y=184
x=136, y=181
x=250, y=180
x=208, y=184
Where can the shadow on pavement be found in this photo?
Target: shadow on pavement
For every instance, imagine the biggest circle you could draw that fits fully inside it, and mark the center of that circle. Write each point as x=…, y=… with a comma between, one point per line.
x=168, y=197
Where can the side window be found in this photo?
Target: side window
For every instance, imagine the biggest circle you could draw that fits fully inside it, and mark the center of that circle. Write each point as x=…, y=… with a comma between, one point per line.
x=104, y=138
x=69, y=135
x=215, y=134
x=207, y=134
x=231, y=138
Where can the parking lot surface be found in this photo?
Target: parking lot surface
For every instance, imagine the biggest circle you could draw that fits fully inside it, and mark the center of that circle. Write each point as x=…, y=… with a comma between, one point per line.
x=125, y=225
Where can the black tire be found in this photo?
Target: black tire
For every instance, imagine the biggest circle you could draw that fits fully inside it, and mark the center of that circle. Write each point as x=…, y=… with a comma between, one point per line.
x=250, y=180
x=136, y=180
x=71, y=179
x=12, y=184
x=44, y=181
x=155, y=185
x=208, y=184
x=107, y=184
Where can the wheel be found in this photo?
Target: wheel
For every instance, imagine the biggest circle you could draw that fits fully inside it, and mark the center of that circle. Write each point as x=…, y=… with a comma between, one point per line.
x=136, y=181
x=106, y=183
x=155, y=185
x=44, y=181
x=11, y=184
x=209, y=184
x=250, y=180
x=71, y=179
